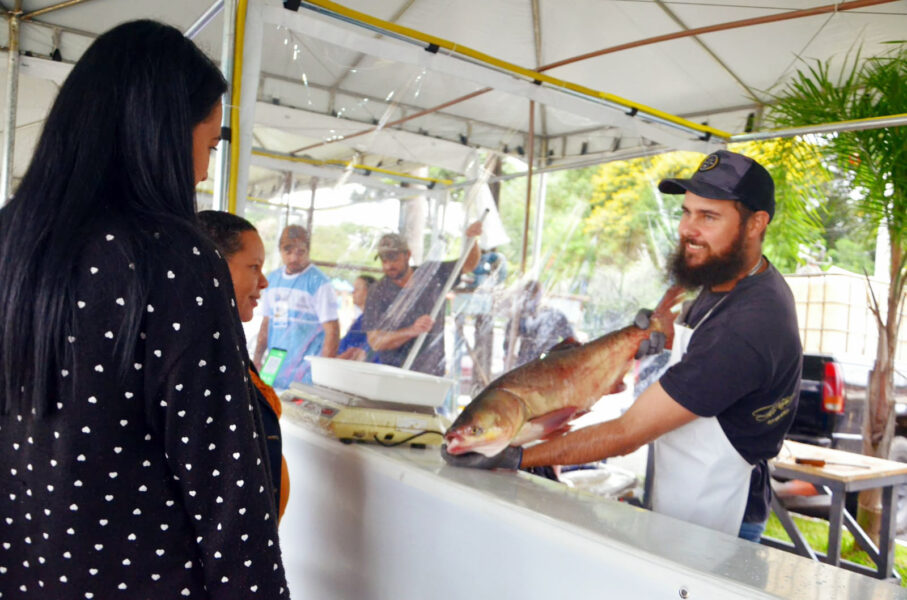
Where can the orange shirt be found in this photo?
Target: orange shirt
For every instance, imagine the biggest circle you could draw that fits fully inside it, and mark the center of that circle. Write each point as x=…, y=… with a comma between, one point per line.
x=274, y=402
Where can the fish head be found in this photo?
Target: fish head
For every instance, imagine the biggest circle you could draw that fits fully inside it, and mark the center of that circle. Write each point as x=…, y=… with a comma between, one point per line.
x=487, y=424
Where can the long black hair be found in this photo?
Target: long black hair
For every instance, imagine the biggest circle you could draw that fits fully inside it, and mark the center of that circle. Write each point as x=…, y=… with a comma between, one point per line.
x=117, y=144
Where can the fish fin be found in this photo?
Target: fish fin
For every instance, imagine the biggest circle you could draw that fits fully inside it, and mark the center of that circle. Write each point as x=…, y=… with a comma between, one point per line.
x=557, y=432
x=565, y=344
x=544, y=425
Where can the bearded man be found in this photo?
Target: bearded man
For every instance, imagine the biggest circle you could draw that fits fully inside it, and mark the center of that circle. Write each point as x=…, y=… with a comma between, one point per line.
x=398, y=308
x=726, y=401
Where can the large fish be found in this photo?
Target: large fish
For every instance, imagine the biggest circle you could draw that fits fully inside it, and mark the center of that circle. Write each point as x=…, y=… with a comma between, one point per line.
x=543, y=395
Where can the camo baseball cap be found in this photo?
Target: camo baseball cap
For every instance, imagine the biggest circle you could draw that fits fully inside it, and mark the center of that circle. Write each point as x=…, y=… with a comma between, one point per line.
x=727, y=175
x=391, y=242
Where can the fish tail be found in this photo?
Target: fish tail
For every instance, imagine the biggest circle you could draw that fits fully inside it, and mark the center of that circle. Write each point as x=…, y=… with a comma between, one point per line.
x=663, y=317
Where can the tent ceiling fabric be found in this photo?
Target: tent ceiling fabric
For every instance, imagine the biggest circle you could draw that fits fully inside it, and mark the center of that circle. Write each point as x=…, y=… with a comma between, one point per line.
x=313, y=94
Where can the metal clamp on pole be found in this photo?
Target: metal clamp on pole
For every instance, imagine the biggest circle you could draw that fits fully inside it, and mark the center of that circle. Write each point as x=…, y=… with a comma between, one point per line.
x=467, y=247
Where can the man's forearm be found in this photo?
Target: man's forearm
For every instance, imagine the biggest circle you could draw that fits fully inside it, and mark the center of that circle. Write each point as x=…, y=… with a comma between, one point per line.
x=261, y=343
x=389, y=340
x=588, y=444
x=472, y=261
x=653, y=414
x=331, y=338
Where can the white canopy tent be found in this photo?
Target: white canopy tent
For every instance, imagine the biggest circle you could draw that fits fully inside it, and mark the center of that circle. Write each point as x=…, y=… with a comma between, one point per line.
x=376, y=96
x=387, y=86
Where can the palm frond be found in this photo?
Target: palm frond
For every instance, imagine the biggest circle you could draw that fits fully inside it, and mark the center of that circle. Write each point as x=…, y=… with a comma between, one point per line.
x=875, y=160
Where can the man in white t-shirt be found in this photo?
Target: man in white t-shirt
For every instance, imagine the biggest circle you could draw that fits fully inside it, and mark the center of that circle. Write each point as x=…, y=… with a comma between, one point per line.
x=299, y=310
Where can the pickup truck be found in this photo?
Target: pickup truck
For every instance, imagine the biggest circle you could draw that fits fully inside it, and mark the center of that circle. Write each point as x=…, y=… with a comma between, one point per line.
x=824, y=417
x=832, y=407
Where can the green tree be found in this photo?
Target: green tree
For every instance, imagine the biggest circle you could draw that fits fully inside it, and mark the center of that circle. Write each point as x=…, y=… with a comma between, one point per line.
x=797, y=221
x=852, y=256
x=630, y=212
x=565, y=245
x=632, y=217
x=849, y=234
x=608, y=231
x=875, y=161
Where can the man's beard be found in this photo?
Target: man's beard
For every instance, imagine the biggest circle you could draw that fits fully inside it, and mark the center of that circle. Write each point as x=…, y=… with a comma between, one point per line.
x=396, y=276
x=717, y=269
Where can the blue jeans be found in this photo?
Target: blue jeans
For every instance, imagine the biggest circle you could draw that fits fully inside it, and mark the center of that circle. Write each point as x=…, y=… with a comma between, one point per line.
x=752, y=531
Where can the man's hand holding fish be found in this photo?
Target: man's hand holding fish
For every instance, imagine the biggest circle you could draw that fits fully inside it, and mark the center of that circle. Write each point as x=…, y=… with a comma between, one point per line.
x=509, y=458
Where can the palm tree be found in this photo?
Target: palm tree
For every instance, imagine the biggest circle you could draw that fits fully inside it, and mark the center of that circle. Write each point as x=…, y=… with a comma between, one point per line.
x=875, y=162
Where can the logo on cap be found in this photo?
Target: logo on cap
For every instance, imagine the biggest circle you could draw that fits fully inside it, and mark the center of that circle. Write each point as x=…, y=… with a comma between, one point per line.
x=710, y=162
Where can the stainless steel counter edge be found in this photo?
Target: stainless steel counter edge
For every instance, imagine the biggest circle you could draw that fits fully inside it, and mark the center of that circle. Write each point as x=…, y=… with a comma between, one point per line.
x=515, y=520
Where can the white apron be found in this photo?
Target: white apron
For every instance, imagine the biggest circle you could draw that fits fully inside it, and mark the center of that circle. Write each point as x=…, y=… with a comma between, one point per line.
x=699, y=476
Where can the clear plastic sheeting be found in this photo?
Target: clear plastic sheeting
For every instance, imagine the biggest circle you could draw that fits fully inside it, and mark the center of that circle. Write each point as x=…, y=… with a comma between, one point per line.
x=360, y=134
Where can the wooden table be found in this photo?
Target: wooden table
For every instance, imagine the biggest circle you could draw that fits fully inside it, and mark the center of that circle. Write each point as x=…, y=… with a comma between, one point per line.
x=854, y=473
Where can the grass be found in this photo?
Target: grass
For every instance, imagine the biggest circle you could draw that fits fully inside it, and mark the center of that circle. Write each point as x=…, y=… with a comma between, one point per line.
x=815, y=532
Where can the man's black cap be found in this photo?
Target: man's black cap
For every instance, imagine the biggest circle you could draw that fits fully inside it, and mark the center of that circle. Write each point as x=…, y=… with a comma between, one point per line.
x=727, y=175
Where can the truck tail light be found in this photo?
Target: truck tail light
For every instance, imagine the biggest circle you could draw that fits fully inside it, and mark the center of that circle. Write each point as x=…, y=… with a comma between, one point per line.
x=833, y=388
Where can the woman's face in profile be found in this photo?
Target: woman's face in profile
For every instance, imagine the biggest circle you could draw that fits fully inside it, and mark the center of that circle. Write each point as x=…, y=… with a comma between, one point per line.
x=205, y=137
x=246, y=273
x=360, y=292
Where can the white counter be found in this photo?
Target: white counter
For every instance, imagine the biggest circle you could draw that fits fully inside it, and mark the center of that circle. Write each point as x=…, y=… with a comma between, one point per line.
x=368, y=522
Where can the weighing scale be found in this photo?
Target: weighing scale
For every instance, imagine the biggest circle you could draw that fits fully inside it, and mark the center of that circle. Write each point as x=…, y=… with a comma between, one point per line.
x=352, y=418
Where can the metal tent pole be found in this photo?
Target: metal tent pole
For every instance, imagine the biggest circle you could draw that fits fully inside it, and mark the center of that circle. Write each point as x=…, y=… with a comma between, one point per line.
x=249, y=71
x=439, y=302
x=222, y=165
x=47, y=9
x=203, y=20
x=531, y=154
x=855, y=125
x=310, y=215
x=12, y=93
x=539, y=223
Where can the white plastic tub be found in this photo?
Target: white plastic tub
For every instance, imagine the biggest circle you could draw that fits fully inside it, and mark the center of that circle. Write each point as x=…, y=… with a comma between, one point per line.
x=379, y=382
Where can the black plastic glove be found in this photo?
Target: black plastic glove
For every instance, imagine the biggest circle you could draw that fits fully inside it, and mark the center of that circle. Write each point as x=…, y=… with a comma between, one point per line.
x=643, y=318
x=656, y=342
x=509, y=458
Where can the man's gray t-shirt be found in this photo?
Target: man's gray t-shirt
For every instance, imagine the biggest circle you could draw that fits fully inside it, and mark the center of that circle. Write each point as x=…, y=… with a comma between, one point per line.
x=390, y=307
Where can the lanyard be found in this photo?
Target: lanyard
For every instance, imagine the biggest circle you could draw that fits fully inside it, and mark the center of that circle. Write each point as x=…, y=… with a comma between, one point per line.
x=749, y=273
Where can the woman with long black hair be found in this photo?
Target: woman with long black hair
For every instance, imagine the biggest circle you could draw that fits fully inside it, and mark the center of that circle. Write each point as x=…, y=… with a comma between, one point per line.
x=132, y=460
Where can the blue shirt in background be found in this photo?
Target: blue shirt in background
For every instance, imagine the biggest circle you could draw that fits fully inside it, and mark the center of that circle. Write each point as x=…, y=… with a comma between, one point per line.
x=356, y=338
x=296, y=306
